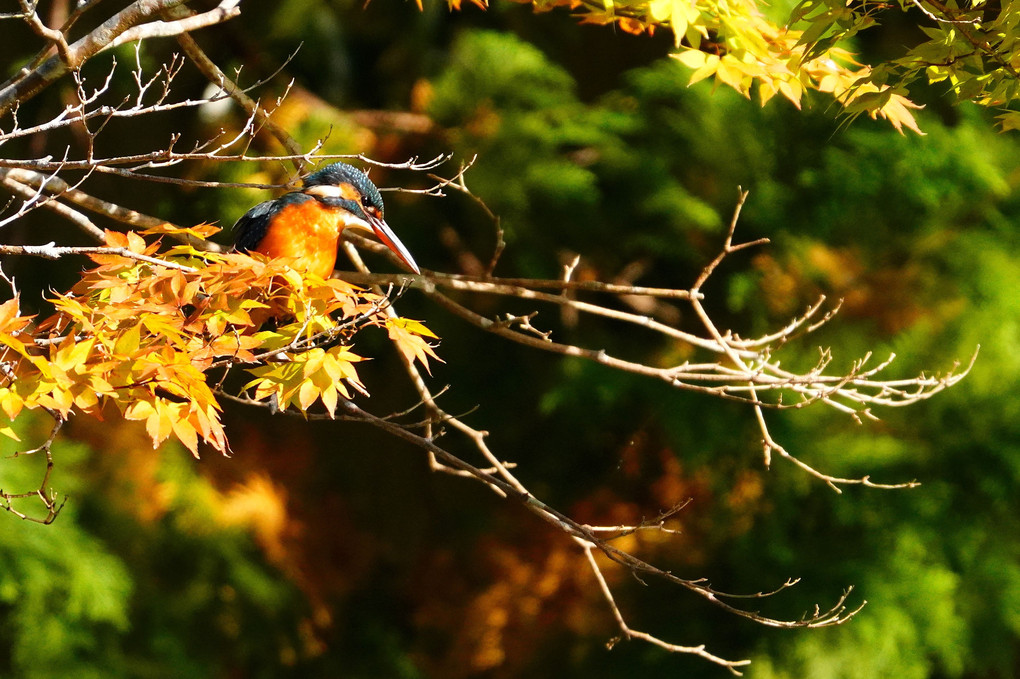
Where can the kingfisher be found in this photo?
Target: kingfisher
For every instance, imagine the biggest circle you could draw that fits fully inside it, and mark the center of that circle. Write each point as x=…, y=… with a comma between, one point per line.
x=305, y=226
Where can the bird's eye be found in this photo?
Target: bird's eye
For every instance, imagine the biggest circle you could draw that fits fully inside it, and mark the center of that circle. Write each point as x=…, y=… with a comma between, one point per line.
x=366, y=202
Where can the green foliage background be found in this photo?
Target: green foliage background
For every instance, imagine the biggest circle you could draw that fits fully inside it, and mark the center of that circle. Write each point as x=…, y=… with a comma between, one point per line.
x=590, y=142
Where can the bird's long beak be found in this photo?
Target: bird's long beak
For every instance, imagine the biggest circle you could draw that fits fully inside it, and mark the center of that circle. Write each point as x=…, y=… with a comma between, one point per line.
x=390, y=240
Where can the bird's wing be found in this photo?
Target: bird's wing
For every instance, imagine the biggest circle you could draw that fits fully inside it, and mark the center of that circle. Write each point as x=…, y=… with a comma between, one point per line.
x=251, y=228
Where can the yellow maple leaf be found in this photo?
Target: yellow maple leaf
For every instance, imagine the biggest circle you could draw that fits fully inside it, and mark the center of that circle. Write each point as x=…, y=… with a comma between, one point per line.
x=199, y=230
x=407, y=335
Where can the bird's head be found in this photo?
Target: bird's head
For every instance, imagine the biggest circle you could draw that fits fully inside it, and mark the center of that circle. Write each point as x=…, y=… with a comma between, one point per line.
x=343, y=187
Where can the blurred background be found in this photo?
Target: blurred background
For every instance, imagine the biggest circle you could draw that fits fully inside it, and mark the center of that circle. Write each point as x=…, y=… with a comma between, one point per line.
x=328, y=550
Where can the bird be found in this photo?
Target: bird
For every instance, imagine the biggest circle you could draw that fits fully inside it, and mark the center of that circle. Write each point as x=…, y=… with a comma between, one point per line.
x=305, y=226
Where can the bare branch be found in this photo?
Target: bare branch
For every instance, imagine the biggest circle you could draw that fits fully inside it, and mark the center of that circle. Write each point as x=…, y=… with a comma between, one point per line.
x=742, y=369
x=627, y=633
x=226, y=10
x=60, y=188
x=512, y=489
x=52, y=35
x=33, y=199
x=28, y=83
x=52, y=251
x=213, y=73
x=500, y=286
x=728, y=246
x=48, y=498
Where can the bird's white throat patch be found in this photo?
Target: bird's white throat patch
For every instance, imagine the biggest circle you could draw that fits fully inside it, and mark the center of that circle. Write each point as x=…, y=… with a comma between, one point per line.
x=343, y=191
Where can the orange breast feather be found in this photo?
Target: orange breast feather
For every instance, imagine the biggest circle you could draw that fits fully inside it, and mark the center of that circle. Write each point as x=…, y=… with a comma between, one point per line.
x=305, y=233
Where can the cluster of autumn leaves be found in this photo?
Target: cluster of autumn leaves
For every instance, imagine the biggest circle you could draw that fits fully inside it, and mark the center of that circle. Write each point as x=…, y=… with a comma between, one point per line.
x=741, y=44
x=159, y=334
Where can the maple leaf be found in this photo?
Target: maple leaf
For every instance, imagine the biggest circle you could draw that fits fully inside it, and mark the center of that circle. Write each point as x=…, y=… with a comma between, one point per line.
x=144, y=337
x=203, y=231
x=409, y=336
